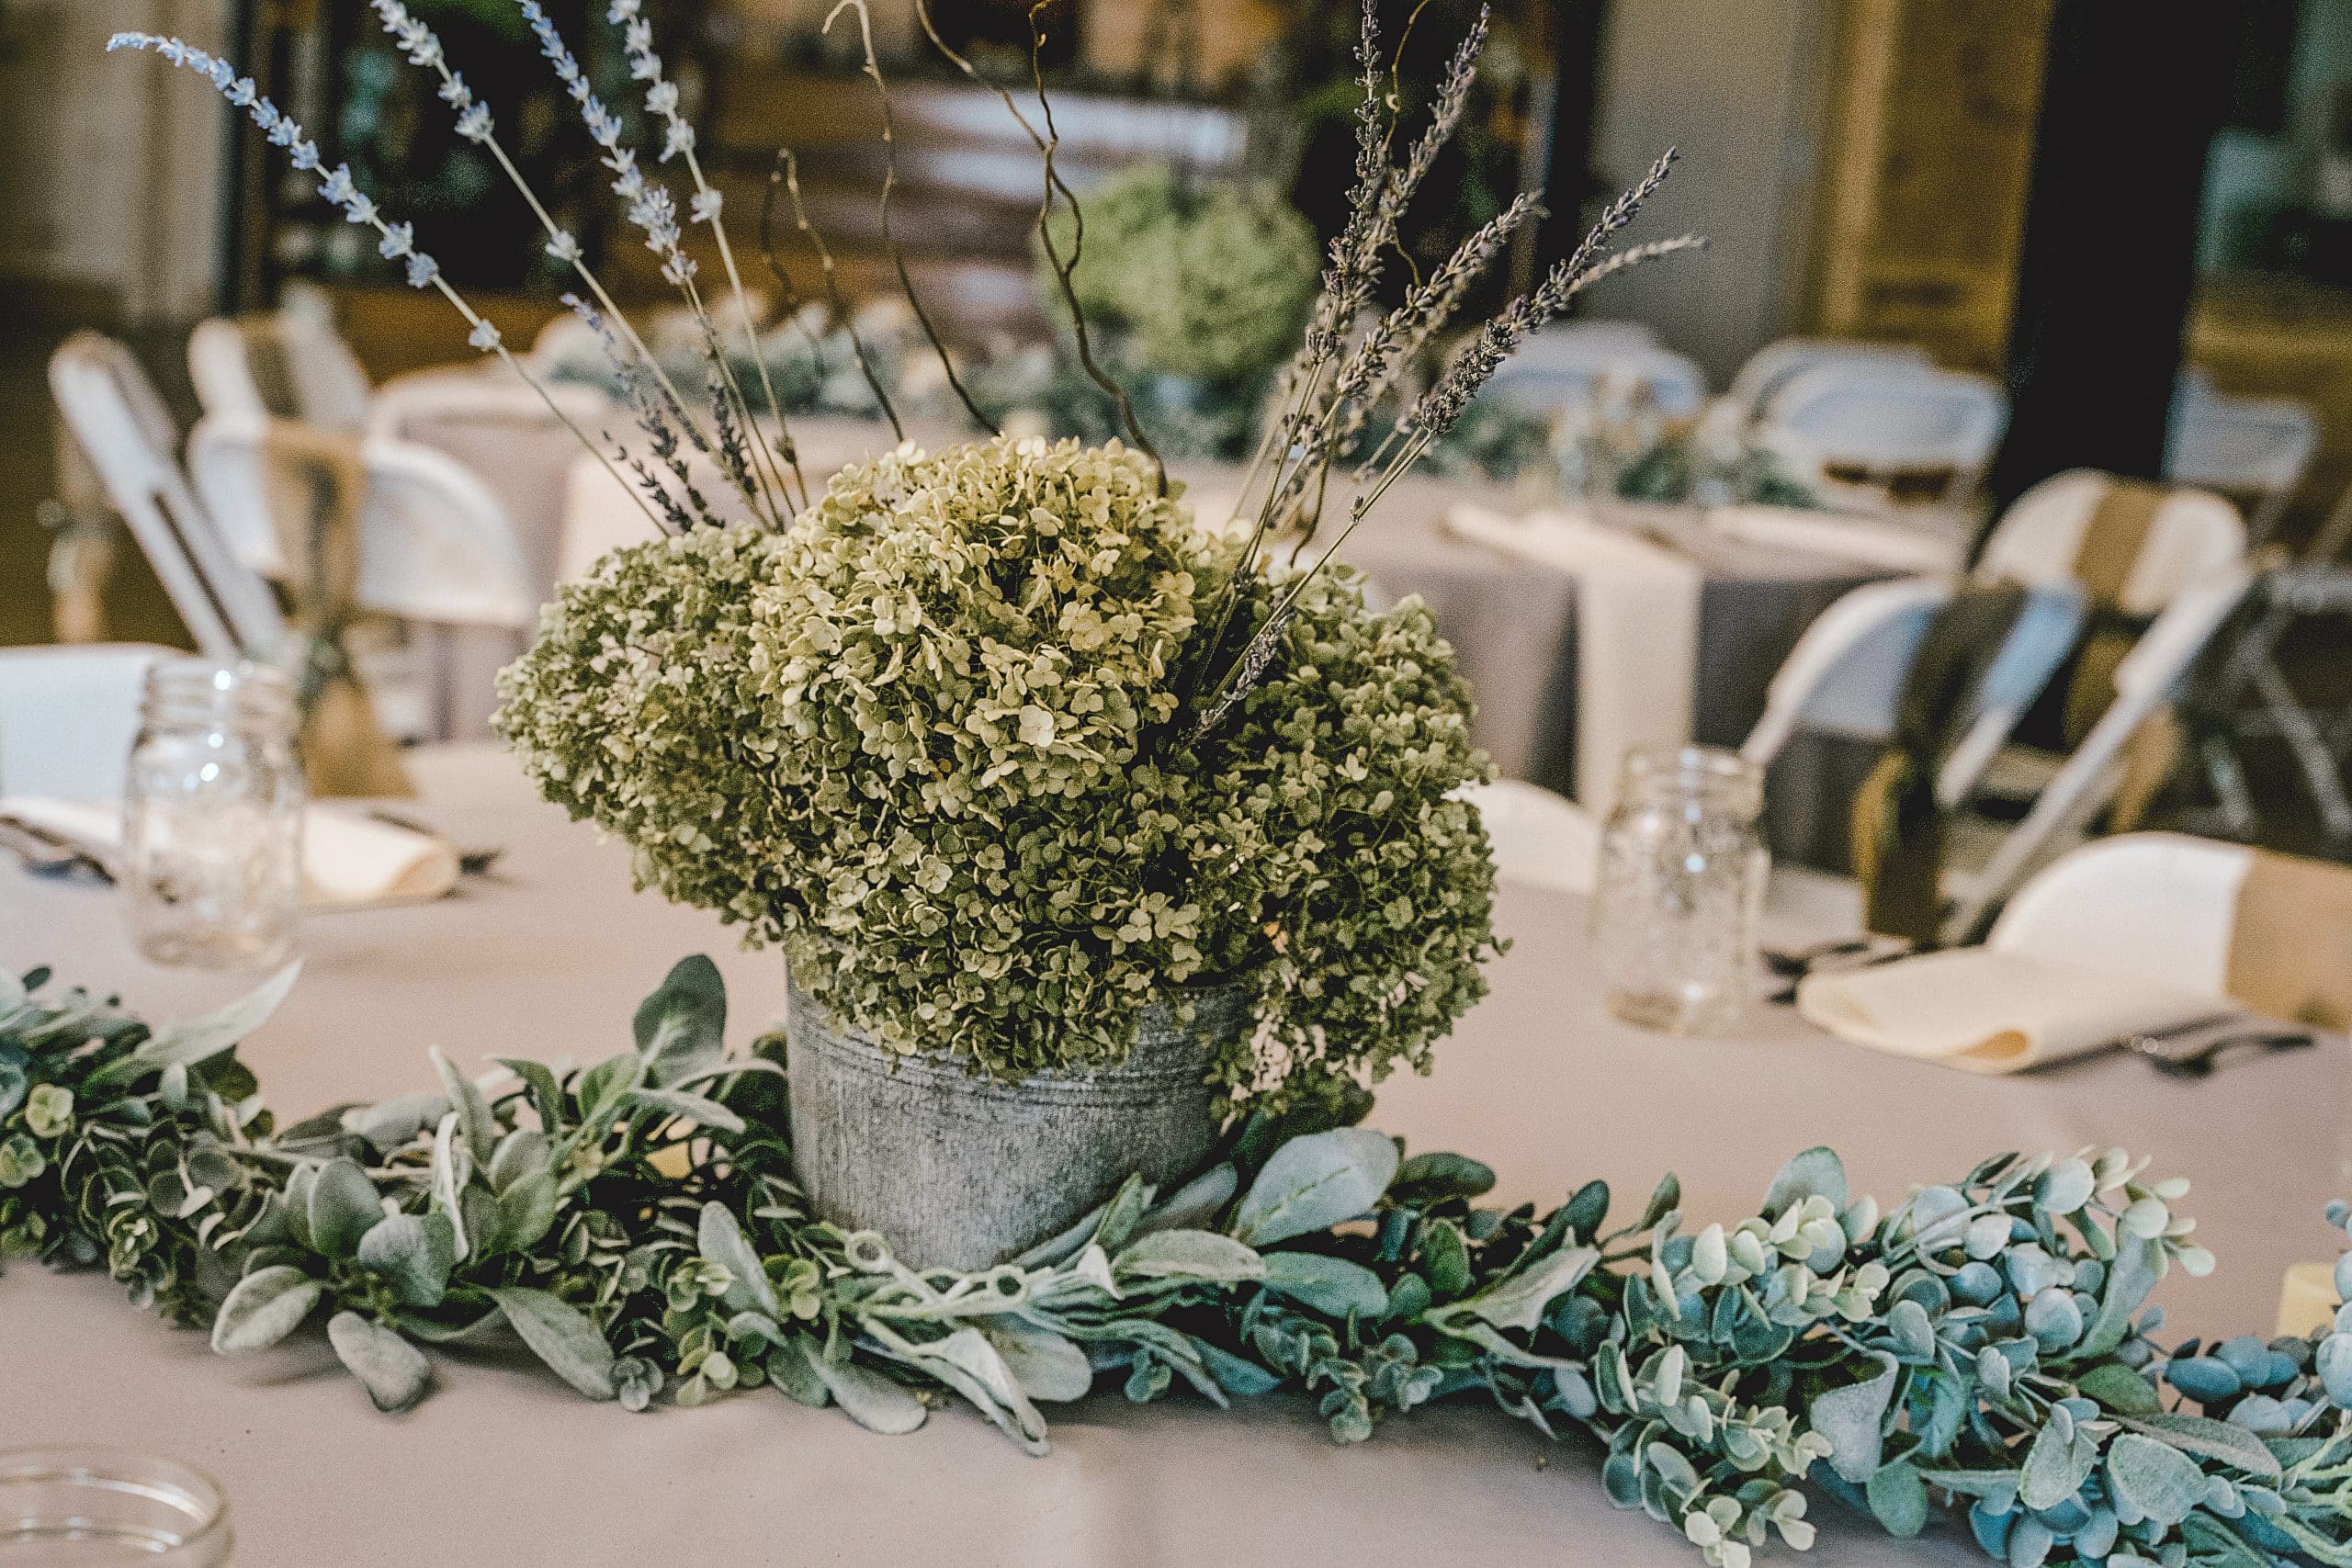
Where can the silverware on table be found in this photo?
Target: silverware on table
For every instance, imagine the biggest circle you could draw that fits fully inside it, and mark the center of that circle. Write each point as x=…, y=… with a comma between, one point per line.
x=1793, y=967
x=44, y=852
x=2195, y=1050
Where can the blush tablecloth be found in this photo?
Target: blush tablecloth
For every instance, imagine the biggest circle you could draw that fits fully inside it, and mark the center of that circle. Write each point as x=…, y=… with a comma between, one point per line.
x=503, y=1464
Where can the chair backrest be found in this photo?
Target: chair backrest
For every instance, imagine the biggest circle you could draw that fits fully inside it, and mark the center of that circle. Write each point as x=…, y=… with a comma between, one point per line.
x=2254, y=449
x=1847, y=672
x=1573, y=379
x=1582, y=340
x=1890, y=416
x=1771, y=367
x=435, y=545
x=314, y=378
x=68, y=717
x=1539, y=838
x=2154, y=905
x=119, y=422
x=2144, y=682
x=2194, y=536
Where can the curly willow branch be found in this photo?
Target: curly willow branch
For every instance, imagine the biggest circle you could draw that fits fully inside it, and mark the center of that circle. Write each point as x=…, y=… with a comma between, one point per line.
x=784, y=175
x=873, y=69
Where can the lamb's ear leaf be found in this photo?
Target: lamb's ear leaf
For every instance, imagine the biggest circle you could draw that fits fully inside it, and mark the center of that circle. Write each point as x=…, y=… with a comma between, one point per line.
x=263, y=1308
x=395, y=1371
x=682, y=1027
x=560, y=1336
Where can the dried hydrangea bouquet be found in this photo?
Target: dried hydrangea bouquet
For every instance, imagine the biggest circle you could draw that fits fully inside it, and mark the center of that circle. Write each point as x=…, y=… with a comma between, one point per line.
x=1028, y=772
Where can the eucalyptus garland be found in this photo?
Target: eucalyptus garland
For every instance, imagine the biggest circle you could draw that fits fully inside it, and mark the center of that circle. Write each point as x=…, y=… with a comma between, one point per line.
x=637, y=1225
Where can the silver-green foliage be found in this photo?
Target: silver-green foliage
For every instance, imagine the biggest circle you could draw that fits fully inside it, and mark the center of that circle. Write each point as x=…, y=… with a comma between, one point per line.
x=637, y=1225
x=927, y=741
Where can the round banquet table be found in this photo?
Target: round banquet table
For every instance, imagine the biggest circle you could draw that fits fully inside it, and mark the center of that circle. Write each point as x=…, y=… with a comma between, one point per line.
x=548, y=957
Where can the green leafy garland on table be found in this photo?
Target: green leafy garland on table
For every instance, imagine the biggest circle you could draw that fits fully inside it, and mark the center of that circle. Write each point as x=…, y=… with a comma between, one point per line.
x=637, y=1225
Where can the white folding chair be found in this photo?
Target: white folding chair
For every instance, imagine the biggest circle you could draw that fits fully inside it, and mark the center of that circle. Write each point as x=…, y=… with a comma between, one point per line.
x=1540, y=839
x=1872, y=425
x=492, y=396
x=1847, y=674
x=2158, y=906
x=2194, y=536
x=2224, y=921
x=435, y=543
x=68, y=717
x=1573, y=376
x=2145, y=681
x=1771, y=367
x=324, y=383
x=122, y=427
x=2254, y=449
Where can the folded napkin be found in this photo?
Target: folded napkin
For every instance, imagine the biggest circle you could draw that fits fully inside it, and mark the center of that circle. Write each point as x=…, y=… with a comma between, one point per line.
x=1637, y=634
x=349, y=861
x=1988, y=1012
x=1866, y=541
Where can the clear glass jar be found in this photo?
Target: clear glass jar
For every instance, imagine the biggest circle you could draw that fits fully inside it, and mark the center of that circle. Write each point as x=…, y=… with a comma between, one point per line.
x=1680, y=886
x=213, y=817
x=101, y=1509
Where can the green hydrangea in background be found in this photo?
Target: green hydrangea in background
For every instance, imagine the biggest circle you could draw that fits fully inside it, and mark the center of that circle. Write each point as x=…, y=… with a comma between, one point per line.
x=925, y=741
x=1208, y=279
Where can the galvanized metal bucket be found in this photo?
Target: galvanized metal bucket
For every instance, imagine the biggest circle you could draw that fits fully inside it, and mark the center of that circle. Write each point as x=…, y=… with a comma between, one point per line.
x=961, y=1171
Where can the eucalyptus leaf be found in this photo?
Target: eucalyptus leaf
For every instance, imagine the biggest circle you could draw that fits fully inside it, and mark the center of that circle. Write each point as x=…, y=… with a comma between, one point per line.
x=1850, y=1417
x=1315, y=1183
x=1817, y=1172
x=1330, y=1285
x=681, y=1028
x=560, y=1336
x=2120, y=1389
x=1433, y=1178
x=1898, y=1497
x=263, y=1308
x=395, y=1371
x=721, y=1240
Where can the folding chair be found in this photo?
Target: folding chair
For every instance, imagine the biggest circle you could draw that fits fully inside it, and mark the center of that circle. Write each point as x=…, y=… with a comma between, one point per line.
x=1572, y=378
x=2318, y=738
x=2149, y=677
x=287, y=364
x=1888, y=429
x=1771, y=367
x=2253, y=450
x=121, y=426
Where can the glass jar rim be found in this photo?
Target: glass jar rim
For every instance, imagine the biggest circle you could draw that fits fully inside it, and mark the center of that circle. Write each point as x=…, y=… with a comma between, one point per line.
x=180, y=690
x=165, y=1482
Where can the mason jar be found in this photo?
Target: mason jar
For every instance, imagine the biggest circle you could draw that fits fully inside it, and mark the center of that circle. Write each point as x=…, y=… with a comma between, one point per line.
x=1681, y=884
x=213, y=817
x=101, y=1509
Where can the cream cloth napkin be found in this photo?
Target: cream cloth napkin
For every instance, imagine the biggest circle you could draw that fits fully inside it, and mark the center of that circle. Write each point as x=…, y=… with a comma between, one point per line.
x=1637, y=634
x=1866, y=541
x=1987, y=1012
x=349, y=861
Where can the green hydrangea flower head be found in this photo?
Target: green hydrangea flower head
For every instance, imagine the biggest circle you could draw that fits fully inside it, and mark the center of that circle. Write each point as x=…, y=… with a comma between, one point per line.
x=928, y=741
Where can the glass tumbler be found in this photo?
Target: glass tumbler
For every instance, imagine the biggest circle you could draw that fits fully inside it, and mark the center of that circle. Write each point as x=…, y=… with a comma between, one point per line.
x=100, y=1508
x=212, y=828
x=1680, y=885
